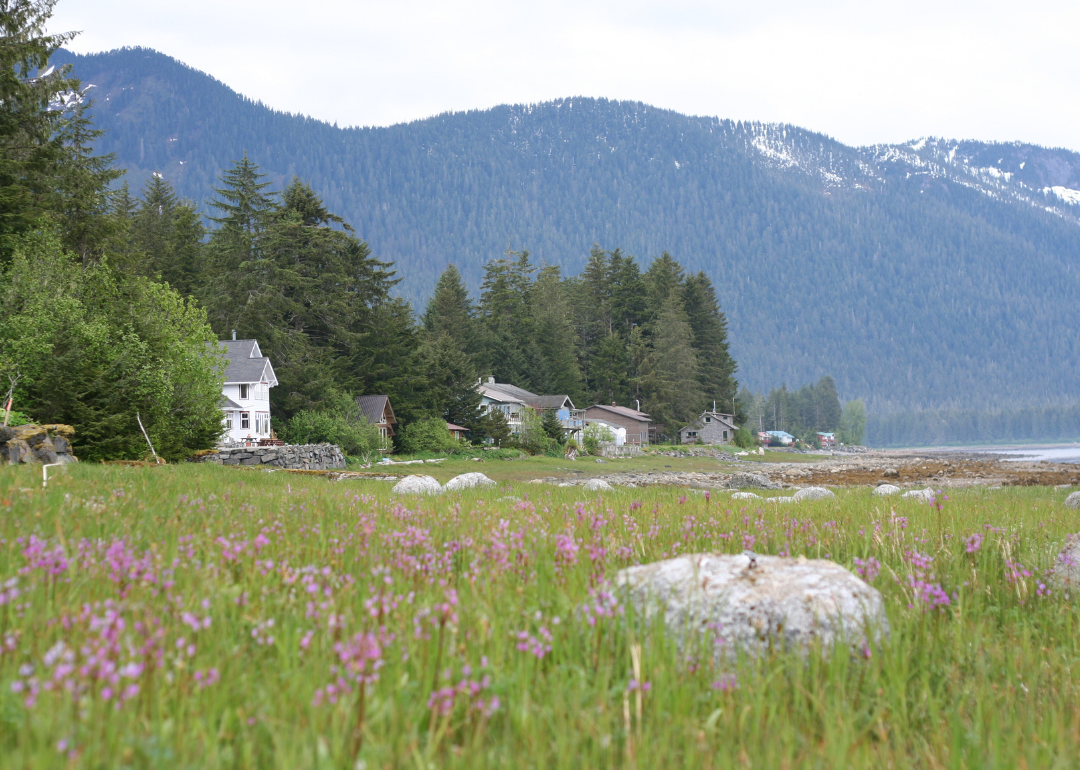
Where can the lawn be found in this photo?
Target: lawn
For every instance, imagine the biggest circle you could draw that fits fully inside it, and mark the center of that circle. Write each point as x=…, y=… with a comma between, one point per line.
x=194, y=616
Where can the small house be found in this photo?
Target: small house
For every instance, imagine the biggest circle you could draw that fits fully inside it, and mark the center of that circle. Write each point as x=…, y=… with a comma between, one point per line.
x=379, y=413
x=709, y=428
x=456, y=431
x=245, y=396
x=827, y=439
x=780, y=437
x=640, y=430
x=512, y=401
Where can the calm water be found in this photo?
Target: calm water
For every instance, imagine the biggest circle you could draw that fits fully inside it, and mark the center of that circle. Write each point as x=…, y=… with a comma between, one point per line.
x=1054, y=454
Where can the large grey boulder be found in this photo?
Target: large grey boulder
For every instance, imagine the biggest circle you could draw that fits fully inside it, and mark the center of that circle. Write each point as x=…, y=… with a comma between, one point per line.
x=755, y=603
x=750, y=481
x=925, y=495
x=1066, y=572
x=417, y=485
x=885, y=490
x=468, y=481
x=783, y=500
x=1073, y=500
x=745, y=496
x=813, y=493
x=597, y=485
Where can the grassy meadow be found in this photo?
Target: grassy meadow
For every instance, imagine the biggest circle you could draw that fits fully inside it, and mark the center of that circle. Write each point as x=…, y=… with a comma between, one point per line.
x=194, y=616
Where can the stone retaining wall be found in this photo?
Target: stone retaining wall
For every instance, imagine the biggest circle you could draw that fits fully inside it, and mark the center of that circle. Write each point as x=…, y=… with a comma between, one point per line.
x=36, y=444
x=306, y=457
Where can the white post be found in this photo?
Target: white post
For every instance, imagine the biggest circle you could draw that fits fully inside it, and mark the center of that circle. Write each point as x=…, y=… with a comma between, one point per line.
x=45, y=473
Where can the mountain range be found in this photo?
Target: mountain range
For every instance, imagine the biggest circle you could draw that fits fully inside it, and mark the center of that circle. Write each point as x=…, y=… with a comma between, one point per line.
x=925, y=275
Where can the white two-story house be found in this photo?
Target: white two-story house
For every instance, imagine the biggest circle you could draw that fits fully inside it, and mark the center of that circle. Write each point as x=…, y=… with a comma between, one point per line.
x=246, y=393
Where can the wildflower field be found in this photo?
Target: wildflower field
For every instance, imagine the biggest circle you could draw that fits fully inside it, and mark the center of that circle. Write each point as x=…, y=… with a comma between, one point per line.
x=203, y=617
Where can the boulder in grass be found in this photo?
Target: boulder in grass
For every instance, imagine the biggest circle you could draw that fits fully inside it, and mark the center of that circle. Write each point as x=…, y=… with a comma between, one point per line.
x=925, y=495
x=1066, y=570
x=885, y=490
x=597, y=485
x=417, y=485
x=468, y=481
x=813, y=493
x=750, y=481
x=1073, y=500
x=780, y=500
x=745, y=496
x=757, y=603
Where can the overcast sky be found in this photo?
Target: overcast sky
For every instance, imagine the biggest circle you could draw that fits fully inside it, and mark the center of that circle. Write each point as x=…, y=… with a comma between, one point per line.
x=863, y=72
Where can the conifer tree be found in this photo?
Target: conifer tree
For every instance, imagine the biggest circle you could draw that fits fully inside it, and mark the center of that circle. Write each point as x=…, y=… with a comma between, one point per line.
x=31, y=148
x=662, y=279
x=450, y=311
x=448, y=380
x=671, y=378
x=609, y=383
x=716, y=367
x=555, y=339
x=169, y=232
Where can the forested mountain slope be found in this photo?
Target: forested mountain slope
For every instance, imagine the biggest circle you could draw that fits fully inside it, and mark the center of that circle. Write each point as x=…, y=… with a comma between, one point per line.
x=931, y=274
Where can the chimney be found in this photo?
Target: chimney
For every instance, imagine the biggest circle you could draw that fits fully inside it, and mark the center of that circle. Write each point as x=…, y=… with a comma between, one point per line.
x=714, y=406
x=234, y=335
x=491, y=379
x=638, y=402
x=613, y=403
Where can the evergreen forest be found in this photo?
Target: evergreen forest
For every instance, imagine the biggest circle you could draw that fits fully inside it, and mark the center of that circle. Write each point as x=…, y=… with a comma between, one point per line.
x=916, y=287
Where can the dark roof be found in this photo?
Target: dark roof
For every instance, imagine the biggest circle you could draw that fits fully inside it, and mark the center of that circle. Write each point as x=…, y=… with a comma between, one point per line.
x=550, y=402
x=451, y=426
x=246, y=363
x=228, y=403
x=624, y=411
x=374, y=407
x=532, y=399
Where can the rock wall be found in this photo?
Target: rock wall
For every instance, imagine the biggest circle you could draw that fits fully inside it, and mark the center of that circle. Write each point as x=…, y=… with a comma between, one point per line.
x=306, y=457
x=36, y=444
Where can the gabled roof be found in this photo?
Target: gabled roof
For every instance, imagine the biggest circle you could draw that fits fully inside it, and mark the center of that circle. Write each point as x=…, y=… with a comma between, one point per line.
x=726, y=419
x=512, y=394
x=779, y=433
x=451, y=426
x=246, y=363
x=500, y=393
x=374, y=407
x=228, y=403
x=625, y=411
x=551, y=402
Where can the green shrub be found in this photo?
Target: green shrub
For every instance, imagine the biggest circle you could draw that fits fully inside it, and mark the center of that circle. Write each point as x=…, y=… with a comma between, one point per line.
x=340, y=423
x=428, y=435
x=596, y=435
x=744, y=439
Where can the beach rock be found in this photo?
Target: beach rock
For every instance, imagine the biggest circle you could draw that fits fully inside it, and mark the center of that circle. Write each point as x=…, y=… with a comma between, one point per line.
x=1066, y=572
x=891, y=473
x=1073, y=500
x=597, y=485
x=770, y=602
x=885, y=490
x=1063, y=486
x=813, y=493
x=926, y=495
x=417, y=485
x=750, y=481
x=744, y=496
x=780, y=500
x=468, y=481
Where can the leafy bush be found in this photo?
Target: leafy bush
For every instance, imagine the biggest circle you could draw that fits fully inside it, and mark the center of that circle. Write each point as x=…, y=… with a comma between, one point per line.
x=428, y=435
x=340, y=423
x=595, y=436
x=744, y=439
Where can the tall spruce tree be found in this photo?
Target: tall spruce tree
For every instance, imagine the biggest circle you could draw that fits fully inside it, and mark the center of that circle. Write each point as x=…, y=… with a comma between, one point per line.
x=716, y=367
x=169, y=233
x=555, y=340
x=450, y=311
x=31, y=146
x=673, y=393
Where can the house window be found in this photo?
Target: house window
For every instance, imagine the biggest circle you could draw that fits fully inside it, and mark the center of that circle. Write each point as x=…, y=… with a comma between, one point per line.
x=708, y=419
x=245, y=421
x=244, y=391
x=725, y=435
x=228, y=420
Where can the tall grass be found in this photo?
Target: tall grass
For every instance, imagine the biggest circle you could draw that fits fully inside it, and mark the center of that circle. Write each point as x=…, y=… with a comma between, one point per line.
x=197, y=616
